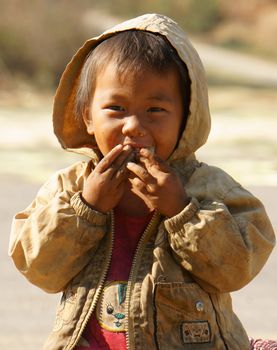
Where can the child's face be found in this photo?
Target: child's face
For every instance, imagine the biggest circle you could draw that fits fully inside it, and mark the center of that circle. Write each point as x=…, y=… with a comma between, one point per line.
x=142, y=110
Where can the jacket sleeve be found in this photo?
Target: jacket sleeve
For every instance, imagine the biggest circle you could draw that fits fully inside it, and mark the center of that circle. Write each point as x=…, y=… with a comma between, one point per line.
x=223, y=242
x=55, y=237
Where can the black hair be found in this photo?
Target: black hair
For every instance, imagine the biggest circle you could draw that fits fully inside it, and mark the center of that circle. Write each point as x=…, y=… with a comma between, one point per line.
x=132, y=50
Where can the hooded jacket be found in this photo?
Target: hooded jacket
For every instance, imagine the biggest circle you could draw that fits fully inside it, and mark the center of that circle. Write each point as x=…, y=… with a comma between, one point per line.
x=184, y=267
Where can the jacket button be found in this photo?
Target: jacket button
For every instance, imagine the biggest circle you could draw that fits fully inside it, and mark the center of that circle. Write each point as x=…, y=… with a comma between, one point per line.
x=199, y=305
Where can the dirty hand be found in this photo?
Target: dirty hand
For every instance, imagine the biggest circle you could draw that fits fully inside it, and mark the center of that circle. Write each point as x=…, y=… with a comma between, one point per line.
x=157, y=184
x=105, y=185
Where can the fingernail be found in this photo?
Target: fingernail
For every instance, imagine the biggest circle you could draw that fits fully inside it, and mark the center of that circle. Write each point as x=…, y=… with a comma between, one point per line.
x=127, y=148
x=149, y=149
x=143, y=151
x=129, y=164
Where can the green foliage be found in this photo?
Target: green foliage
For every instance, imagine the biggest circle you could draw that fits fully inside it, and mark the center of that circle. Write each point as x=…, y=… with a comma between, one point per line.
x=201, y=15
x=194, y=15
x=37, y=38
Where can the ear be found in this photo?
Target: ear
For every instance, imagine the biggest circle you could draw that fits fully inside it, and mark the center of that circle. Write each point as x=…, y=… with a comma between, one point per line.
x=87, y=118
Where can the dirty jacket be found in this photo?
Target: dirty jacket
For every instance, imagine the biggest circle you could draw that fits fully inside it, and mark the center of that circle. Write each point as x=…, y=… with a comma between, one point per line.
x=184, y=266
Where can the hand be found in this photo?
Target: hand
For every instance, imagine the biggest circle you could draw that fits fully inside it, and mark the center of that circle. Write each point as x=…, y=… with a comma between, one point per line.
x=105, y=185
x=157, y=184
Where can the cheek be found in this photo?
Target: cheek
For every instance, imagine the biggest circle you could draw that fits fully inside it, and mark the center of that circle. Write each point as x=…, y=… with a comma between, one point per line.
x=167, y=139
x=169, y=129
x=107, y=135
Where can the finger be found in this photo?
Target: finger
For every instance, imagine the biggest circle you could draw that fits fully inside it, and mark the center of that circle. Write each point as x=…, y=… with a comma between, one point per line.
x=139, y=186
x=124, y=157
x=118, y=167
x=152, y=162
x=142, y=190
x=108, y=159
x=121, y=175
x=115, y=159
x=140, y=172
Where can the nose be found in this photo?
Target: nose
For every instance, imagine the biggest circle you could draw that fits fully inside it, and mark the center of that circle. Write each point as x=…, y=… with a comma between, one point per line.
x=133, y=126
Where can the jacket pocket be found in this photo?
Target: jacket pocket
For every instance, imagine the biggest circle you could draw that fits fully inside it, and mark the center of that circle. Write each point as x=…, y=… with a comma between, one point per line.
x=185, y=318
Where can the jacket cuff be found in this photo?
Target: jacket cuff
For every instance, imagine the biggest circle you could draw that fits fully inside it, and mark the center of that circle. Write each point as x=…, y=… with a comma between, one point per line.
x=176, y=223
x=94, y=217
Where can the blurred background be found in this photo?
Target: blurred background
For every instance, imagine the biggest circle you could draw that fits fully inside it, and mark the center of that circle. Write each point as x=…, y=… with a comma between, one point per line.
x=237, y=43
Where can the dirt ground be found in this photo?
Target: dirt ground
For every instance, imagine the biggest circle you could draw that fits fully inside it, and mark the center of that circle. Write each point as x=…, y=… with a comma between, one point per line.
x=241, y=142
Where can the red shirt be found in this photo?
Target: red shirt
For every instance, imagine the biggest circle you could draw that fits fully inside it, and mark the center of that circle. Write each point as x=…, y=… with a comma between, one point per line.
x=106, y=329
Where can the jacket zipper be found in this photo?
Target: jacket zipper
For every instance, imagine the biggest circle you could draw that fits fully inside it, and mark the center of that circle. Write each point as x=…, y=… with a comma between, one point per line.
x=100, y=285
x=138, y=253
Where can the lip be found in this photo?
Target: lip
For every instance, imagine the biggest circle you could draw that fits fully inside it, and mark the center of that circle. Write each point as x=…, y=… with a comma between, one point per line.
x=136, y=149
x=133, y=145
x=136, y=145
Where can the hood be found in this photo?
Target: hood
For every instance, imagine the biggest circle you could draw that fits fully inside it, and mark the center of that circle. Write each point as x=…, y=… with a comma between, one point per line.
x=73, y=136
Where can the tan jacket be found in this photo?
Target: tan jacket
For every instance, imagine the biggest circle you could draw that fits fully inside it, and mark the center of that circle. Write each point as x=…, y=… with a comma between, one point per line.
x=184, y=266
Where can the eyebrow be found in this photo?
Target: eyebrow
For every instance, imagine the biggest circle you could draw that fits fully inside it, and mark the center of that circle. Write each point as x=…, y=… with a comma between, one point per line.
x=160, y=97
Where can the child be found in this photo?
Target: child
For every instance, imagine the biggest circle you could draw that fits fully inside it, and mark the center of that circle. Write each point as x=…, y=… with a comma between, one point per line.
x=143, y=240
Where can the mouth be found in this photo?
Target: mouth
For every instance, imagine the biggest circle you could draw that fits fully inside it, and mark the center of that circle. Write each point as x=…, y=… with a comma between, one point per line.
x=135, y=154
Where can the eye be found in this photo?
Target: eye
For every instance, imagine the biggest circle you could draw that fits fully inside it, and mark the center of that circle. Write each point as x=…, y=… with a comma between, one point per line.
x=110, y=309
x=116, y=108
x=155, y=109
